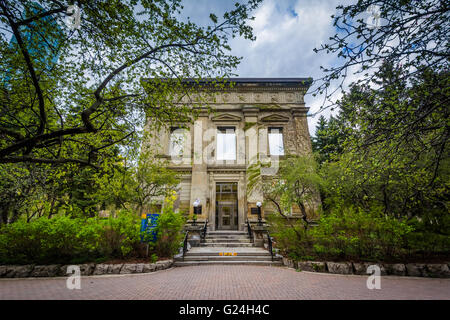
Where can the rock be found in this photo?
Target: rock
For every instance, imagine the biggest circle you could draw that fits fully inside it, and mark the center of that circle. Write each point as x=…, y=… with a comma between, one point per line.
x=3, y=271
x=17, y=271
x=51, y=270
x=313, y=266
x=361, y=268
x=396, y=269
x=87, y=269
x=101, y=269
x=437, y=270
x=115, y=268
x=128, y=268
x=165, y=264
x=340, y=267
x=62, y=271
x=415, y=269
x=139, y=267
x=149, y=267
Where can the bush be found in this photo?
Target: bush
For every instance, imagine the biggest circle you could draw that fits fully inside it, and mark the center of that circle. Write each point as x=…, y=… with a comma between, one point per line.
x=70, y=240
x=356, y=234
x=168, y=230
x=350, y=233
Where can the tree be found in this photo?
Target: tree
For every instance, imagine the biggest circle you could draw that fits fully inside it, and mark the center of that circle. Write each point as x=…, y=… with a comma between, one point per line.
x=389, y=161
x=296, y=183
x=71, y=95
x=329, y=138
x=407, y=49
x=152, y=181
x=409, y=34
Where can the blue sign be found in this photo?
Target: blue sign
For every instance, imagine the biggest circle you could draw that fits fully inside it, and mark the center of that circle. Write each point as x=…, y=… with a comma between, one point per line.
x=148, y=227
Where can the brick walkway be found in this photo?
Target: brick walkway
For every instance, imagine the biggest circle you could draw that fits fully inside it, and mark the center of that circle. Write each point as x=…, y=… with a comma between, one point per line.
x=226, y=282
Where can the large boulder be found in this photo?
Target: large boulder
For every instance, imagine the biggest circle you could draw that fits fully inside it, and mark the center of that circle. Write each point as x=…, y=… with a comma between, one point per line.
x=16, y=271
x=361, y=268
x=395, y=269
x=101, y=269
x=115, y=268
x=437, y=270
x=140, y=267
x=340, y=267
x=128, y=268
x=164, y=264
x=149, y=267
x=87, y=269
x=313, y=266
x=416, y=269
x=51, y=270
x=3, y=271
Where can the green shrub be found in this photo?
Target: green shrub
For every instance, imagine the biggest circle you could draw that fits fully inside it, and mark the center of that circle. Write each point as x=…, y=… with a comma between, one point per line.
x=168, y=230
x=350, y=233
x=70, y=240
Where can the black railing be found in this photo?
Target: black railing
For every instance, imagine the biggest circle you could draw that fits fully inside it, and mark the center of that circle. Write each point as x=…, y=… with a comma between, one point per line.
x=204, y=230
x=269, y=241
x=185, y=243
x=249, y=230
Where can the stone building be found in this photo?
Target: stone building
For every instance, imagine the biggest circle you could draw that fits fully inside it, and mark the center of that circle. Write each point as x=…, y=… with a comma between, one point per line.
x=258, y=118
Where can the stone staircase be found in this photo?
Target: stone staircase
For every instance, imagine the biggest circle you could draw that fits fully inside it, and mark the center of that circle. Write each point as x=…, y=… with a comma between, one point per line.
x=227, y=247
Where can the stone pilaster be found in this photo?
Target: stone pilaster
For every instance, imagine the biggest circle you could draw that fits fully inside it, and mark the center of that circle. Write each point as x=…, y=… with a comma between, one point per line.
x=199, y=183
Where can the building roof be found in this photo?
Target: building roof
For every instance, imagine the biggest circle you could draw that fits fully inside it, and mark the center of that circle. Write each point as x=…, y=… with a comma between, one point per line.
x=252, y=82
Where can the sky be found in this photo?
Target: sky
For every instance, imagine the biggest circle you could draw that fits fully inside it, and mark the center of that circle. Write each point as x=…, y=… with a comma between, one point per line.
x=286, y=32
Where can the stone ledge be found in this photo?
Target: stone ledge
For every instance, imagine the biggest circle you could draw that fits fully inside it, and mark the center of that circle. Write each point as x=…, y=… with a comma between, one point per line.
x=58, y=270
x=432, y=270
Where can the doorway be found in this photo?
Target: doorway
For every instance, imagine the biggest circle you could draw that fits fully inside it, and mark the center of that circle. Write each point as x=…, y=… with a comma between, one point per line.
x=226, y=206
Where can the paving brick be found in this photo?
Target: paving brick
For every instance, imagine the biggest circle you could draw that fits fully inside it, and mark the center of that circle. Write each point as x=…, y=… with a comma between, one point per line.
x=224, y=282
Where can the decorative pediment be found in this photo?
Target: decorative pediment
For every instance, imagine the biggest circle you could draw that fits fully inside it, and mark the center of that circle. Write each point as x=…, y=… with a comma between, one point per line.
x=226, y=117
x=275, y=118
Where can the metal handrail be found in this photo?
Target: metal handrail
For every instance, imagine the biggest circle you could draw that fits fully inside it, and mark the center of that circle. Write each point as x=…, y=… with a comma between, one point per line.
x=204, y=230
x=250, y=232
x=185, y=242
x=269, y=238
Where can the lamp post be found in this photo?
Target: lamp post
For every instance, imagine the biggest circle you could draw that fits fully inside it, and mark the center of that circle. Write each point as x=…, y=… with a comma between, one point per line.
x=196, y=209
x=259, y=204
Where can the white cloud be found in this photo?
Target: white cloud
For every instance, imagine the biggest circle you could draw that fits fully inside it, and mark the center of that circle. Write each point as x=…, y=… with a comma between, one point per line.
x=286, y=33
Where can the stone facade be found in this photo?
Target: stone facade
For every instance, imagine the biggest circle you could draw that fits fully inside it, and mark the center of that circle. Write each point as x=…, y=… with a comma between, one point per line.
x=250, y=108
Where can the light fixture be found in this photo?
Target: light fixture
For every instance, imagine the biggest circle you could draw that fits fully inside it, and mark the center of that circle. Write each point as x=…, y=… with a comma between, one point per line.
x=196, y=202
x=259, y=204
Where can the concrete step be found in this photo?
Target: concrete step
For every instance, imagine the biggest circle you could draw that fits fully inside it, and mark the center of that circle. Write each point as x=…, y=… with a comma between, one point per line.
x=248, y=262
x=226, y=244
x=226, y=250
x=226, y=232
x=226, y=236
x=212, y=240
x=227, y=258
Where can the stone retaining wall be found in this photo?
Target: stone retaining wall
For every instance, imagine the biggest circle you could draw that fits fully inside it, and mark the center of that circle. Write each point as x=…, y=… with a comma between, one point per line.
x=435, y=270
x=89, y=269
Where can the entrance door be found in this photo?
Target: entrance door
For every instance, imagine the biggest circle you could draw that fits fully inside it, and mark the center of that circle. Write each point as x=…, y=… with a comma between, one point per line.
x=226, y=206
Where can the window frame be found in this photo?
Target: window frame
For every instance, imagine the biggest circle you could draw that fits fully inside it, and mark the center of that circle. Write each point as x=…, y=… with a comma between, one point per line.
x=181, y=144
x=283, y=144
x=218, y=131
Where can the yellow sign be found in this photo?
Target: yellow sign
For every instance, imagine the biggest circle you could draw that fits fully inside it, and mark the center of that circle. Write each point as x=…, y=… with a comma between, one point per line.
x=227, y=253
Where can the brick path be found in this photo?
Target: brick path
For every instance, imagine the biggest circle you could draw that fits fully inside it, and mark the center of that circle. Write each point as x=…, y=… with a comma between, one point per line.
x=227, y=282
